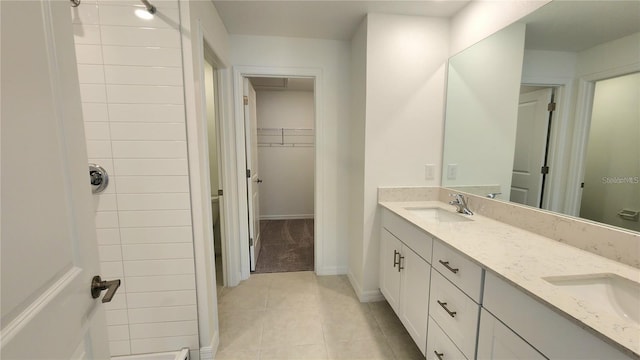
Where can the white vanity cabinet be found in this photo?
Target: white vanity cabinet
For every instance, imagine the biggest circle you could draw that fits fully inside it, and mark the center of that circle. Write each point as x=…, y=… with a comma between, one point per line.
x=405, y=274
x=456, y=289
x=550, y=333
x=496, y=341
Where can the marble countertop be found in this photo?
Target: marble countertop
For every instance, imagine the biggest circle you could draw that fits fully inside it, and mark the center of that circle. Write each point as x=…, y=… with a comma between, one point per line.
x=524, y=259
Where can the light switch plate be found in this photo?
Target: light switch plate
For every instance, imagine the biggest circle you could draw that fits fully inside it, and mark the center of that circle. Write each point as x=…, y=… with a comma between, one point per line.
x=429, y=172
x=452, y=171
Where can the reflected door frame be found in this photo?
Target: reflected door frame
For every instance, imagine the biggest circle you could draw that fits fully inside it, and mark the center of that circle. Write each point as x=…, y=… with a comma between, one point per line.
x=584, y=106
x=560, y=150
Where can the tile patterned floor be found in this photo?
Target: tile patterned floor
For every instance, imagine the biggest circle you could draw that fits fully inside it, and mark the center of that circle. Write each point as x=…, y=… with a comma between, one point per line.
x=303, y=316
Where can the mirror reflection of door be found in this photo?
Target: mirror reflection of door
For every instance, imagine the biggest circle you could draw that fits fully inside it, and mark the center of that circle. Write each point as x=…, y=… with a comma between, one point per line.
x=611, y=192
x=534, y=117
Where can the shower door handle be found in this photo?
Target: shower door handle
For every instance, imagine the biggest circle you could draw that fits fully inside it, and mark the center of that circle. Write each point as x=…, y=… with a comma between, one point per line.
x=98, y=285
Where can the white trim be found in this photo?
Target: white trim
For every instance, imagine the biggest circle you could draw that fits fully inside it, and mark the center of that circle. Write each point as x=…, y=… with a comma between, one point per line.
x=364, y=296
x=559, y=148
x=286, y=217
x=209, y=352
x=239, y=72
x=584, y=106
x=331, y=270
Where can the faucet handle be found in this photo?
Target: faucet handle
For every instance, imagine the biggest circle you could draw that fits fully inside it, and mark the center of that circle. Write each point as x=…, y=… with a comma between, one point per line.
x=493, y=195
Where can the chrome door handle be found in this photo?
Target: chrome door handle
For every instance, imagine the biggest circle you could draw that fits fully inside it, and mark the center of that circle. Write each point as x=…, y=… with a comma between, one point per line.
x=98, y=177
x=97, y=285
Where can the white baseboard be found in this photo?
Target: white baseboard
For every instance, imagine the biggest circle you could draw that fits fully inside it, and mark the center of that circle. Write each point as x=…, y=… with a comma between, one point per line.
x=209, y=352
x=286, y=217
x=331, y=270
x=364, y=296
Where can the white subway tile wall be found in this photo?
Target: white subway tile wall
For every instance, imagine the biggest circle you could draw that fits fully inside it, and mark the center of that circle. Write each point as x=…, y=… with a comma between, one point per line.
x=132, y=94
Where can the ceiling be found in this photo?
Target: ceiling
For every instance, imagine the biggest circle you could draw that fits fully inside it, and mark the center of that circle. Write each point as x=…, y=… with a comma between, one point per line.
x=322, y=19
x=569, y=25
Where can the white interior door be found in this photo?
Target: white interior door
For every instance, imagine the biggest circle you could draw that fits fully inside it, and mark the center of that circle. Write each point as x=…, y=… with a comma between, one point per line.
x=253, y=179
x=531, y=138
x=49, y=250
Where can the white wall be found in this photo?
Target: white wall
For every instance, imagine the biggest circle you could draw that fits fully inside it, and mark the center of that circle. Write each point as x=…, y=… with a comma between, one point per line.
x=356, y=153
x=332, y=58
x=405, y=77
x=133, y=106
x=482, y=105
x=480, y=19
x=287, y=171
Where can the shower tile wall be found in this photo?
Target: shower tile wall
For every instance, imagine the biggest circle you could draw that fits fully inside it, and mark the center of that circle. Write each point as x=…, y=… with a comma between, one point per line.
x=132, y=97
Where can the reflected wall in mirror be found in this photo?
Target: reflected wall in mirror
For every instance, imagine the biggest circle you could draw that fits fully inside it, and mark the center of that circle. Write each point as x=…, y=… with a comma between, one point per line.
x=546, y=112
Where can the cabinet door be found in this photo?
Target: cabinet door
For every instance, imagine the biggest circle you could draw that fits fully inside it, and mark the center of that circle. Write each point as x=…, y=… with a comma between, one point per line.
x=414, y=296
x=390, y=248
x=496, y=341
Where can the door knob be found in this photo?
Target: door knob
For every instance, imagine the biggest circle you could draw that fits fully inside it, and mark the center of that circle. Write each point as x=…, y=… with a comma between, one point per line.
x=97, y=285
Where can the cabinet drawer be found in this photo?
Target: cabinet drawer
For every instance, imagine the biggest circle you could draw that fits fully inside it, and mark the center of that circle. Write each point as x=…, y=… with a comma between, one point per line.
x=416, y=239
x=461, y=271
x=456, y=313
x=439, y=343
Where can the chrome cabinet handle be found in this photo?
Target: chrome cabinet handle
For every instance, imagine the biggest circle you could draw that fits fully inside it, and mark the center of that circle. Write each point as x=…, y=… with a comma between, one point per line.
x=98, y=285
x=438, y=355
x=444, y=306
x=395, y=256
x=446, y=264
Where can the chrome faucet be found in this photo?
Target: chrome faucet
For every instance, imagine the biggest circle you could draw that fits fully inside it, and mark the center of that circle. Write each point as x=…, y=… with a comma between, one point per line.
x=460, y=203
x=493, y=195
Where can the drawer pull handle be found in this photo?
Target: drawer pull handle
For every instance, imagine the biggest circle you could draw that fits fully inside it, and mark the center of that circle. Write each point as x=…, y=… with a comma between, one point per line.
x=400, y=258
x=395, y=256
x=446, y=264
x=444, y=306
x=438, y=355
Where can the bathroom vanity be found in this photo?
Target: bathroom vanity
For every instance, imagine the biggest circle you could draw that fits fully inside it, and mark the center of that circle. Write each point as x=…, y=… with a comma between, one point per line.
x=470, y=287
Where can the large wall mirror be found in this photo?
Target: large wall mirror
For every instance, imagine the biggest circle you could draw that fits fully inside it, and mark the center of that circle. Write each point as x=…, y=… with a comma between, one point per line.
x=546, y=112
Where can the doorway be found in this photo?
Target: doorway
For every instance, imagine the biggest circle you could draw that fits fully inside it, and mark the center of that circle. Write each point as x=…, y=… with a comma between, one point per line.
x=611, y=182
x=215, y=168
x=536, y=111
x=280, y=153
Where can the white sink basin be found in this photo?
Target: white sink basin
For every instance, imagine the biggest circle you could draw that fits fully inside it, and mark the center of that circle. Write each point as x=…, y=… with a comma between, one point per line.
x=611, y=293
x=434, y=214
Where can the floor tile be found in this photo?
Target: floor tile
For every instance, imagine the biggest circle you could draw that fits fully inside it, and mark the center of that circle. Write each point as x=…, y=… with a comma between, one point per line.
x=301, y=352
x=360, y=349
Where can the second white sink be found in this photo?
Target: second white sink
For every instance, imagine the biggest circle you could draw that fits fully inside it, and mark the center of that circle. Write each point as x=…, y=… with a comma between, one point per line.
x=435, y=214
x=614, y=294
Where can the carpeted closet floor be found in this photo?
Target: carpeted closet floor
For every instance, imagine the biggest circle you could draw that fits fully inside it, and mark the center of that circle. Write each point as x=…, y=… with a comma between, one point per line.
x=287, y=245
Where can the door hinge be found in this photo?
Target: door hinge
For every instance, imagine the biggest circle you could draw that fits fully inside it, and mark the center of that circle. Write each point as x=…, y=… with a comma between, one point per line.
x=248, y=173
x=544, y=170
x=250, y=241
x=219, y=192
x=551, y=106
x=245, y=99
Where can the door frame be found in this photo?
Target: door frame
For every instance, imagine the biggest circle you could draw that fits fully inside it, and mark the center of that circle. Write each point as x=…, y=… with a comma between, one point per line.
x=239, y=73
x=559, y=150
x=584, y=106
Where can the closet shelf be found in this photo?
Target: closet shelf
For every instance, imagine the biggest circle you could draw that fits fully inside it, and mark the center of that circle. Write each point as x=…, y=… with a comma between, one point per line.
x=293, y=137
